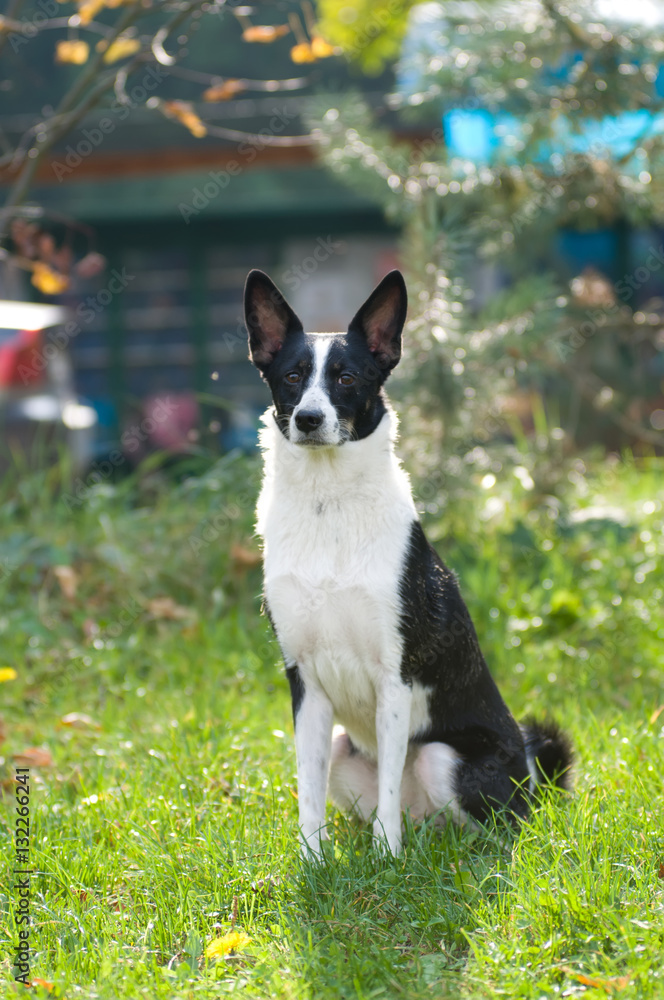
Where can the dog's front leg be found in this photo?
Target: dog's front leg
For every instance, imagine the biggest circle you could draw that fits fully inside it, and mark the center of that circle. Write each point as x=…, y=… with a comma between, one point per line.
x=312, y=717
x=392, y=726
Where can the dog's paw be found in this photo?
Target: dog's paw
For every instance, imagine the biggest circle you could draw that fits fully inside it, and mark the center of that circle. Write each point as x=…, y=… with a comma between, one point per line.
x=312, y=846
x=386, y=841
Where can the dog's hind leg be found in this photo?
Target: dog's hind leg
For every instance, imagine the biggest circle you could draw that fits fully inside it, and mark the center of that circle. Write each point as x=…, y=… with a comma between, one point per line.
x=428, y=785
x=353, y=781
x=430, y=782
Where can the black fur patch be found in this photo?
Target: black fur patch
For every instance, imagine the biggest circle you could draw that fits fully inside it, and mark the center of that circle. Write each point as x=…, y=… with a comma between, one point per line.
x=297, y=689
x=552, y=750
x=441, y=652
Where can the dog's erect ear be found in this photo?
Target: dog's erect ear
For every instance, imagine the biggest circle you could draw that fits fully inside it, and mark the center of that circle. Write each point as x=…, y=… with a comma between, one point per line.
x=381, y=319
x=268, y=317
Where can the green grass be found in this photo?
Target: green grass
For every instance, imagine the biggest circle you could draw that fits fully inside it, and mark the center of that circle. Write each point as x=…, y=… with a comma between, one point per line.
x=174, y=816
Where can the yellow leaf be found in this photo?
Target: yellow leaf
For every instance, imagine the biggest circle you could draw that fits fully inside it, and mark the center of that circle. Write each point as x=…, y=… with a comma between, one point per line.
x=121, y=48
x=78, y=720
x=229, y=944
x=265, y=32
x=185, y=114
x=7, y=674
x=88, y=9
x=302, y=53
x=224, y=91
x=44, y=983
x=72, y=51
x=48, y=282
x=320, y=48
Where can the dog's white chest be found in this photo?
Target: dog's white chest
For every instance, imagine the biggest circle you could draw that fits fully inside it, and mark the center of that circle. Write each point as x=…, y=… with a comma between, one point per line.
x=336, y=531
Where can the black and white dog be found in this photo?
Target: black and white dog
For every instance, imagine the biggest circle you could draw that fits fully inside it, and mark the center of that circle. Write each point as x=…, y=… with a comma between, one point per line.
x=370, y=622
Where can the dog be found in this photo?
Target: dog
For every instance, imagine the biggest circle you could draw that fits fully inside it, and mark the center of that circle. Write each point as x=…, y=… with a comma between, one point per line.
x=371, y=624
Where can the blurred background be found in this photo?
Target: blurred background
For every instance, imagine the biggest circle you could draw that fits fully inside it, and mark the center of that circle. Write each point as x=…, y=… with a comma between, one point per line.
x=507, y=156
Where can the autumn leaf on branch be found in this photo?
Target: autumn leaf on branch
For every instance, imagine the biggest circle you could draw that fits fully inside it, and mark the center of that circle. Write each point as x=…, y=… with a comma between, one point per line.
x=73, y=50
x=224, y=91
x=264, y=32
x=88, y=9
x=48, y=281
x=302, y=53
x=322, y=49
x=183, y=112
x=119, y=49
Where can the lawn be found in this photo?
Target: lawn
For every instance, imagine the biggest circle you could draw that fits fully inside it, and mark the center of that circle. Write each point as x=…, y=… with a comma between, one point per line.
x=150, y=707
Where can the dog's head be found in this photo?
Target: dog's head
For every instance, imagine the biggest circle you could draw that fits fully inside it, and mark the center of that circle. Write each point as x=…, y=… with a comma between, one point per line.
x=326, y=387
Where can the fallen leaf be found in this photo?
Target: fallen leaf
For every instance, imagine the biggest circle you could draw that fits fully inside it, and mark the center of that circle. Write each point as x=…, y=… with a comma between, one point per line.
x=7, y=674
x=72, y=50
x=243, y=558
x=185, y=114
x=48, y=281
x=660, y=873
x=33, y=757
x=167, y=608
x=227, y=945
x=656, y=714
x=67, y=577
x=79, y=720
x=224, y=91
x=302, y=53
x=44, y=983
x=610, y=985
x=265, y=32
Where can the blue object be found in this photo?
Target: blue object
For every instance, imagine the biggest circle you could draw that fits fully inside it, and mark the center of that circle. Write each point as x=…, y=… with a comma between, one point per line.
x=484, y=137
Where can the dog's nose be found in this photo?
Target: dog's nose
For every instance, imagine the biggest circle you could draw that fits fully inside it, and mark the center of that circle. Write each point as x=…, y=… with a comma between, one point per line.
x=308, y=420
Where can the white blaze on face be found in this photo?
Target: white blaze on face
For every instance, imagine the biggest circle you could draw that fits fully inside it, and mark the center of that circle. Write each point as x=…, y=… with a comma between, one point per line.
x=315, y=399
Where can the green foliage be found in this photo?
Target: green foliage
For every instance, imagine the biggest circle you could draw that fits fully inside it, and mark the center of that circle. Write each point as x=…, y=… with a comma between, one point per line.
x=368, y=32
x=495, y=311
x=169, y=815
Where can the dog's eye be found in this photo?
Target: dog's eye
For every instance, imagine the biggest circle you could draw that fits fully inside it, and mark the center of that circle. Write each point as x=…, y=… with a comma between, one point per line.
x=346, y=379
x=293, y=377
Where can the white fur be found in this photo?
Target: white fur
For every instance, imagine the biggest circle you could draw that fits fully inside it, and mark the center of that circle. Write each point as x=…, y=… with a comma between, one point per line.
x=315, y=398
x=427, y=784
x=336, y=525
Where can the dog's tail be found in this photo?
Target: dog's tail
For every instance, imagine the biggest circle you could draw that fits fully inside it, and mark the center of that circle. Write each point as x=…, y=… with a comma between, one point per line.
x=549, y=753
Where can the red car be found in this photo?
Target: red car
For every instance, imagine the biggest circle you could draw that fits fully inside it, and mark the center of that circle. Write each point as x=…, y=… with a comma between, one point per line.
x=40, y=413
